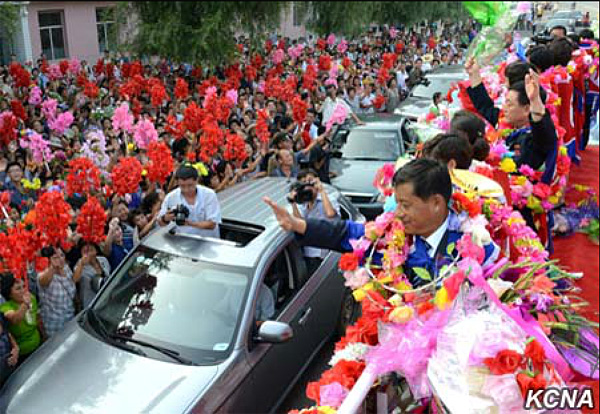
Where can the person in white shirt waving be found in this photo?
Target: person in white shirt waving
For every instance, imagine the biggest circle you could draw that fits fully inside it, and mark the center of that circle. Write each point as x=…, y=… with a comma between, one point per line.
x=198, y=203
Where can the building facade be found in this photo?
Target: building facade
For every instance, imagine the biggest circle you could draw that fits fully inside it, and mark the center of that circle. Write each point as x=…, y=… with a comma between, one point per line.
x=84, y=29
x=61, y=30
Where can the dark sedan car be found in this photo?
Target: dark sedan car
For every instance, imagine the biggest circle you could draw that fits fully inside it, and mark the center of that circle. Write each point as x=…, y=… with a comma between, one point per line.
x=359, y=151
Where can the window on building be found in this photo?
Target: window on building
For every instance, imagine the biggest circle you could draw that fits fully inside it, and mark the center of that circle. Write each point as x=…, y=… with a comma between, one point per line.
x=296, y=14
x=52, y=34
x=106, y=28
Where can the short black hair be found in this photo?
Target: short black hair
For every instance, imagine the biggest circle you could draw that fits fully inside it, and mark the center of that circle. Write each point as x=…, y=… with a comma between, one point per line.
x=47, y=252
x=587, y=34
x=428, y=177
x=540, y=57
x=185, y=172
x=516, y=71
x=12, y=164
x=7, y=280
x=562, y=50
x=559, y=27
x=305, y=173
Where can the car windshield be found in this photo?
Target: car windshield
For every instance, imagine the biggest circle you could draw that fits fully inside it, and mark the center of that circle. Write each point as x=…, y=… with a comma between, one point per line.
x=441, y=85
x=372, y=145
x=553, y=23
x=183, y=305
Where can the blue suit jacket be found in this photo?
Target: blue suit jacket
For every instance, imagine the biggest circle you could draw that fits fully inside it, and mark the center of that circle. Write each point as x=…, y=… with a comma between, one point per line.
x=336, y=235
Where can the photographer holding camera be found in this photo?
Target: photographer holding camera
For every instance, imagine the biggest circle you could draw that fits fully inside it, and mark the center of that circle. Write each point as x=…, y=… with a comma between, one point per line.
x=192, y=207
x=309, y=200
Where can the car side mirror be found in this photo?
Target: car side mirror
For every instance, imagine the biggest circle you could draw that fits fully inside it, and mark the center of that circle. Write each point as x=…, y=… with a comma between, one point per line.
x=274, y=332
x=96, y=283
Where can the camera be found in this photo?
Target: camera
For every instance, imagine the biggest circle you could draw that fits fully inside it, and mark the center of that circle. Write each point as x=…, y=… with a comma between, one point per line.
x=542, y=39
x=304, y=193
x=181, y=213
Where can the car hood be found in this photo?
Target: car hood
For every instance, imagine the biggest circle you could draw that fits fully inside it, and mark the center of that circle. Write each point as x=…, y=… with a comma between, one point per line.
x=414, y=107
x=355, y=176
x=77, y=373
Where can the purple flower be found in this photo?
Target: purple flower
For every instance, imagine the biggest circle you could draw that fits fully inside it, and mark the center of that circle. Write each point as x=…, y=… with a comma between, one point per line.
x=541, y=302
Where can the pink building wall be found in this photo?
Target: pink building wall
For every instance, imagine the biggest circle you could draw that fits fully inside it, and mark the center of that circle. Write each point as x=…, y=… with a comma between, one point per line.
x=79, y=19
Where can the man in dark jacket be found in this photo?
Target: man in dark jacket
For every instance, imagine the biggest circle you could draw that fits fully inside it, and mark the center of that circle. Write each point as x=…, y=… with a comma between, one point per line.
x=534, y=140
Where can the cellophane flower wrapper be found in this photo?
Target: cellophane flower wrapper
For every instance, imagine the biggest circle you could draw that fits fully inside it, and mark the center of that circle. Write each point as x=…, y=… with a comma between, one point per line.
x=416, y=339
x=491, y=41
x=476, y=329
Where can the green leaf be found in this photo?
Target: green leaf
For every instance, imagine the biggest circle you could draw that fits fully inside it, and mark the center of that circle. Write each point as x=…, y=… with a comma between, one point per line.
x=422, y=273
x=450, y=249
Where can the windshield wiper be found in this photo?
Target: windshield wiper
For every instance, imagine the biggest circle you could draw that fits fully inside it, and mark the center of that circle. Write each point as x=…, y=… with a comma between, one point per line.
x=103, y=331
x=364, y=159
x=165, y=351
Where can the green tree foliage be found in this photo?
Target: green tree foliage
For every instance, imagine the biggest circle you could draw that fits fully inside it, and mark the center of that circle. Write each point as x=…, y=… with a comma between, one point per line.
x=9, y=16
x=199, y=31
x=350, y=18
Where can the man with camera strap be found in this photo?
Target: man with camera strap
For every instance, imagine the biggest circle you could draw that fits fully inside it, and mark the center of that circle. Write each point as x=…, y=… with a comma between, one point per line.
x=194, y=208
x=309, y=200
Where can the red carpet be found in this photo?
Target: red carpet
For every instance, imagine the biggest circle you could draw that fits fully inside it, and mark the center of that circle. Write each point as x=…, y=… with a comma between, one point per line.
x=578, y=254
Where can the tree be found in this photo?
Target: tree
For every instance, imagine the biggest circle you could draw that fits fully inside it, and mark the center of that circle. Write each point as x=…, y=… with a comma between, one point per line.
x=9, y=16
x=199, y=31
x=348, y=18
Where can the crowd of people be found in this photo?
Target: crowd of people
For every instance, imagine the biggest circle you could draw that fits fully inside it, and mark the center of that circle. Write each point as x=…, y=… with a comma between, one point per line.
x=266, y=114
x=125, y=143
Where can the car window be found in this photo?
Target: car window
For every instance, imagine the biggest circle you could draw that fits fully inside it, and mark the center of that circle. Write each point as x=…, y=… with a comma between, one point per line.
x=372, y=145
x=435, y=85
x=186, y=305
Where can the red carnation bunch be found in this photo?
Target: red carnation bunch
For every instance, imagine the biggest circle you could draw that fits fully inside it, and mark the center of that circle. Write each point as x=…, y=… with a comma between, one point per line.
x=235, y=148
x=289, y=88
x=379, y=101
x=161, y=162
x=158, y=94
x=64, y=66
x=192, y=118
x=250, y=73
x=309, y=77
x=211, y=139
x=464, y=203
x=321, y=44
x=8, y=127
x=91, y=90
x=299, y=109
x=18, y=109
x=17, y=246
x=382, y=76
x=109, y=70
x=91, y=221
x=345, y=373
x=273, y=87
x=126, y=176
x=177, y=129
x=81, y=79
x=83, y=176
x=257, y=61
x=52, y=218
x=196, y=72
x=324, y=62
x=21, y=76
x=262, y=126
x=181, y=89
x=99, y=67
x=346, y=62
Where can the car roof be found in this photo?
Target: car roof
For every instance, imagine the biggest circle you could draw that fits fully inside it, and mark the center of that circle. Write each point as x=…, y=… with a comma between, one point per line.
x=242, y=205
x=378, y=122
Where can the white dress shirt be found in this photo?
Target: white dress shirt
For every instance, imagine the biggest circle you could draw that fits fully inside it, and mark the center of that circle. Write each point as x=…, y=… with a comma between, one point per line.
x=206, y=208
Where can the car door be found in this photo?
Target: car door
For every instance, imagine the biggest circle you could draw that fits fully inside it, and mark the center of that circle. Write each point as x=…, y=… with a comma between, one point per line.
x=275, y=367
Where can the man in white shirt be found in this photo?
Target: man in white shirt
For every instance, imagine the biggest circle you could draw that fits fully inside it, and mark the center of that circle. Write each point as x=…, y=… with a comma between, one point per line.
x=201, y=202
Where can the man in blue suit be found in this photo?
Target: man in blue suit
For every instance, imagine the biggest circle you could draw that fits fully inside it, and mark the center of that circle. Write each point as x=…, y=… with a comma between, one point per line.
x=423, y=190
